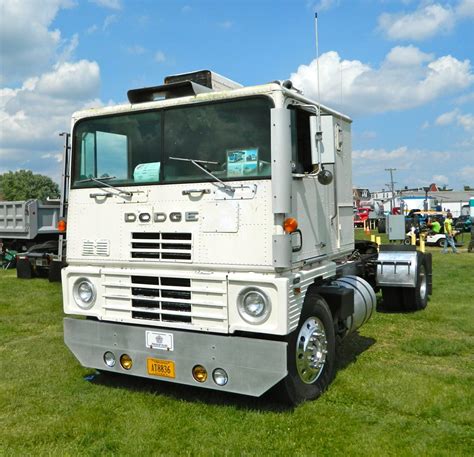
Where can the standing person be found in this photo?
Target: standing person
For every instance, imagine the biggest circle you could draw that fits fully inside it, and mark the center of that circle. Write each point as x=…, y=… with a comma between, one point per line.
x=448, y=232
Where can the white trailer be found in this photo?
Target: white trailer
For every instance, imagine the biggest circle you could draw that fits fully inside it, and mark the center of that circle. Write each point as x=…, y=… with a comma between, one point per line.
x=211, y=242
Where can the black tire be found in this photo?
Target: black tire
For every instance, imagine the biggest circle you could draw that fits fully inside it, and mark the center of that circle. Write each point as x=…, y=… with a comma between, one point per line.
x=440, y=243
x=415, y=299
x=407, y=241
x=305, y=381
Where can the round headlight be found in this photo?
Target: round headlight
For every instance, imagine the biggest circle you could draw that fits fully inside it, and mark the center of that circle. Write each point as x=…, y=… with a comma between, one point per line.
x=220, y=376
x=254, y=305
x=84, y=293
x=109, y=359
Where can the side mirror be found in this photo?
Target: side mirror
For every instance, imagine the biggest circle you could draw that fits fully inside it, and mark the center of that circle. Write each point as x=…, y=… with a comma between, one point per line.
x=325, y=177
x=316, y=139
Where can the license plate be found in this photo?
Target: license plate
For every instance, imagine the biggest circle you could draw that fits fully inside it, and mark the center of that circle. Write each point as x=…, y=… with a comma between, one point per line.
x=159, y=340
x=41, y=262
x=163, y=368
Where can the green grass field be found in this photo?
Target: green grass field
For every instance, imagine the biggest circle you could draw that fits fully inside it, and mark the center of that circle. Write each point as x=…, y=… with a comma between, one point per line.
x=404, y=387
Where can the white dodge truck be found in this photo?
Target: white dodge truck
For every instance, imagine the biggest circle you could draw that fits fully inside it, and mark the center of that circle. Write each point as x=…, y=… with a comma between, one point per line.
x=211, y=242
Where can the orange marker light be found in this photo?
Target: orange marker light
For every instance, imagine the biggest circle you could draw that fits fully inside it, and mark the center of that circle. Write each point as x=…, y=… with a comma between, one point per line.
x=62, y=225
x=290, y=225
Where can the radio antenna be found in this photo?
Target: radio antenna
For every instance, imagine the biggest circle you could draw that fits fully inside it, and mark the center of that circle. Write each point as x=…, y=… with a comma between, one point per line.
x=317, y=68
x=318, y=135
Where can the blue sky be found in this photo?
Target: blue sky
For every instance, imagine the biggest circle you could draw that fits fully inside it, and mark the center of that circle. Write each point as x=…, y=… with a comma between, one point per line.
x=403, y=70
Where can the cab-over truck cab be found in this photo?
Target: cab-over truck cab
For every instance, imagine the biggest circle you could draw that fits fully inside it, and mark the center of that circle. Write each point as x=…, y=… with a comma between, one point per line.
x=206, y=228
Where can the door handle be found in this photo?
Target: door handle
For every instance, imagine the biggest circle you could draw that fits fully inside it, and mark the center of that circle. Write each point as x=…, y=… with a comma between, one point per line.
x=196, y=191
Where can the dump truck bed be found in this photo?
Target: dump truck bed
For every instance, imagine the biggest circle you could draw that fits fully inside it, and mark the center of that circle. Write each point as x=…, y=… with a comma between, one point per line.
x=25, y=220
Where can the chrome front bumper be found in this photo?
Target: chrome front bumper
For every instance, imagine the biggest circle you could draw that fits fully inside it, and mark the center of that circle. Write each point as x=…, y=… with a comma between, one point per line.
x=253, y=365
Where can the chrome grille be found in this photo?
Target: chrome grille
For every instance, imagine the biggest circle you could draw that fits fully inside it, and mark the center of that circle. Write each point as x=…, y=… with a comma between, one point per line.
x=171, y=295
x=193, y=301
x=169, y=247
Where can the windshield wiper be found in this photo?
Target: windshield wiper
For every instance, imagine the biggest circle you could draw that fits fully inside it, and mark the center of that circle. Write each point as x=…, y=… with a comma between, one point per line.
x=120, y=192
x=198, y=162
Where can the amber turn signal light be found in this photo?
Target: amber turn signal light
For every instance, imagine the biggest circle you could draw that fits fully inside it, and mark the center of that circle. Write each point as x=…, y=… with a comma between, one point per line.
x=62, y=225
x=290, y=225
x=126, y=361
x=199, y=373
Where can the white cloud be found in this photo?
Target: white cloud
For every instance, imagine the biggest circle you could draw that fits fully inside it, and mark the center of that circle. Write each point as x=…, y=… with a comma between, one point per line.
x=92, y=29
x=407, y=56
x=35, y=113
x=136, y=49
x=380, y=154
x=465, y=98
x=440, y=179
x=52, y=155
x=438, y=156
x=38, y=102
x=397, y=84
x=423, y=23
x=426, y=21
x=446, y=118
x=68, y=81
x=414, y=167
x=466, y=121
x=69, y=48
x=108, y=21
x=111, y=4
x=28, y=45
x=160, y=57
x=425, y=125
x=465, y=9
x=186, y=9
x=467, y=172
x=32, y=117
x=323, y=5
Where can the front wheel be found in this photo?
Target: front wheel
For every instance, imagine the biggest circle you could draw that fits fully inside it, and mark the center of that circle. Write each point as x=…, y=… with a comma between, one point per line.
x=311, y=353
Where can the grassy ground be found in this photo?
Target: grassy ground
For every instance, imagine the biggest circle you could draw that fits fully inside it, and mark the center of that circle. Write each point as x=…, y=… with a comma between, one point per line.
x=404, y=387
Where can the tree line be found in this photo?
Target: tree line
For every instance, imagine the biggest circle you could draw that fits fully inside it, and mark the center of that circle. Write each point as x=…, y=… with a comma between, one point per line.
x=25, y=185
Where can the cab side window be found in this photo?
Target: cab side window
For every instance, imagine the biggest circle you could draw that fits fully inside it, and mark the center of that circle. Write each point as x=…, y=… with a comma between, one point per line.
x=300, y=141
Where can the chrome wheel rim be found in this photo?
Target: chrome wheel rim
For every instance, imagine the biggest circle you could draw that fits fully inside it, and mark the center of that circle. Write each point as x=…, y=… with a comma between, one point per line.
x=423, y=283
x=311, y=350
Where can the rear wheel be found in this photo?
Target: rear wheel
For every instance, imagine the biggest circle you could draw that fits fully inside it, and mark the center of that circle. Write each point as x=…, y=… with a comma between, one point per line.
x=311, y=353
x=416, y=298
x=440, y=243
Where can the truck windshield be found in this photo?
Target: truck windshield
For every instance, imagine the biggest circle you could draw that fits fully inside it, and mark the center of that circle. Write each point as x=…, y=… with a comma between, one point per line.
x=138, y=148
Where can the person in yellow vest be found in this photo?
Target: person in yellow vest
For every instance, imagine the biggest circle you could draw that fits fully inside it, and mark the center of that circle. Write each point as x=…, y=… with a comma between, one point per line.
x=449, y=234
x=434, y=226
